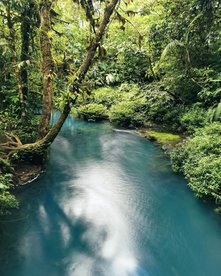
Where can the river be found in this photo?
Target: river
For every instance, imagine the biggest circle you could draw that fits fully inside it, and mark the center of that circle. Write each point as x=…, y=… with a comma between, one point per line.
x=109, y=205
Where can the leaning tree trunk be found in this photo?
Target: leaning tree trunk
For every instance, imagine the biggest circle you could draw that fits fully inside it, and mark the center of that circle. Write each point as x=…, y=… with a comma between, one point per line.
x=37, y=149
x=47, y=66
x=35, y=152
x=96, y=40
x=83, y=69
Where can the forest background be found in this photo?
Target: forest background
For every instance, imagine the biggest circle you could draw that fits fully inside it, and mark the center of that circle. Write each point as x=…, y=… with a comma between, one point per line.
x=153, y=64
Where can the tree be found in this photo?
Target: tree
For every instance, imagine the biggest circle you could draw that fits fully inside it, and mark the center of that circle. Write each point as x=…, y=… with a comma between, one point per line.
x=19, y=20
x=36, y=151
x=29, y=21
x=12, y=45
x=47, y=66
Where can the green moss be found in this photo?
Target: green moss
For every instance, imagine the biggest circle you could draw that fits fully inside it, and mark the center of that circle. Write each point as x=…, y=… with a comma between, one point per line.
x=163, y=137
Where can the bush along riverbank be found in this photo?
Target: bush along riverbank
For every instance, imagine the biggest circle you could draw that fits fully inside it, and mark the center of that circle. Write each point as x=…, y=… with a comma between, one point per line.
x=15, y=170
x=190, y=134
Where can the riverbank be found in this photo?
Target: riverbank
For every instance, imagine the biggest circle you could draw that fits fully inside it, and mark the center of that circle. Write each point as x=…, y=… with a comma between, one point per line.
x=21, y=172
x=162, y=135
x=167, y=140
x=95, y=174
x=26, y=173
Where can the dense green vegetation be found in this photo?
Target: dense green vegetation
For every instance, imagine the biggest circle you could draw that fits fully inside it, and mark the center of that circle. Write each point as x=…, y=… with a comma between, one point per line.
x=199, y=159
x=157, y=62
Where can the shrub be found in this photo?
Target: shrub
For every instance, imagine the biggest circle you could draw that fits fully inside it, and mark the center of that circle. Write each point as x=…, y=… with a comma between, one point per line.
x=131, y=88
x=128, y=113
x=123, y=63
x=214, y=114
x=172, y=117
x=107, y=96
x=159, y=103
x=200, y=161
x=7, y=200
x=92, y=111
x=195, y=117
x=27, y=131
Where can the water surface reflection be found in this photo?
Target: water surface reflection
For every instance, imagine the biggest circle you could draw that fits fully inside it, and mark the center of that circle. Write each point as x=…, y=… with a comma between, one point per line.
x=109, y=205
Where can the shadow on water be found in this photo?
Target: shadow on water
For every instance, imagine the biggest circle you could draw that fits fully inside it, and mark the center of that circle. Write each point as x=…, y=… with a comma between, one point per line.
x=109, y=205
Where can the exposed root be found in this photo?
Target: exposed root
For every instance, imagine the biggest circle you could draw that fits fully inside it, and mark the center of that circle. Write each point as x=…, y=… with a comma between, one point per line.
x=9, y=144
x=12, y=144
x=14, y=137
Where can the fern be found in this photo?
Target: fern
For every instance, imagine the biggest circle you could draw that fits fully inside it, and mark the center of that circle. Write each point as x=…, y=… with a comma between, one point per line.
x=189, y=28
x=210, y=115
x=176, y=43
x=217, y=114
x=171, y=47
x=214, y=114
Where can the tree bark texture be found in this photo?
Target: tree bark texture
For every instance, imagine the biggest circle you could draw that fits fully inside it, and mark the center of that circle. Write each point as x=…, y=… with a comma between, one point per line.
x=47, y=67
x=25, y=42
x=12, y=46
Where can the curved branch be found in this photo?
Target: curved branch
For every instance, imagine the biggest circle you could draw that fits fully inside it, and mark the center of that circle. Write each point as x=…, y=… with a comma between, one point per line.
x=40, y=146
x=96, y=40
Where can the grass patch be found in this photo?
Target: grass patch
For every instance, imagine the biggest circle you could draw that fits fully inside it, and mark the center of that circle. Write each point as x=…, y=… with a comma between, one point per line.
x=163, y=137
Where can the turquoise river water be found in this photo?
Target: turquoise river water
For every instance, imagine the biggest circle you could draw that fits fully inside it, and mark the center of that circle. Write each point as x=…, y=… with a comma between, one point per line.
x=109, y=205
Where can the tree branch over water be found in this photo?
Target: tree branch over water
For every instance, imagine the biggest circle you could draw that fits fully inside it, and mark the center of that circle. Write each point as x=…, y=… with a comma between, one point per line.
x=37, y=150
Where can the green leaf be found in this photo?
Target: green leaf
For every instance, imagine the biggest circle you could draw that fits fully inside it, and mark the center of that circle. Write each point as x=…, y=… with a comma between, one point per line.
x=171, y=47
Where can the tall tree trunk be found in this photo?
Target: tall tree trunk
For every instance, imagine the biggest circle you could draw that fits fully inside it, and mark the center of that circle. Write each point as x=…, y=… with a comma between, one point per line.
x=12, y=46
x=47, y=66
x=25, y=41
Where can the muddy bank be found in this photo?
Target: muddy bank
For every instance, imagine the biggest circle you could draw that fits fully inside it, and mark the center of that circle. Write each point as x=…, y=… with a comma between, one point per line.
x=26, y=173
x=163, y=136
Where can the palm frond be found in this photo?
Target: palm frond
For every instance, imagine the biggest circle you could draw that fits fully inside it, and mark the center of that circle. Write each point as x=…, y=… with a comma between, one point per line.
x=170, y=48
x=214, y=114
x=217, y=114
x=190, y=27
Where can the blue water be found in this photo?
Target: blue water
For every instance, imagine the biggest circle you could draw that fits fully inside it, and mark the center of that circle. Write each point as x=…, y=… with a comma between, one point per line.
x=109, y=205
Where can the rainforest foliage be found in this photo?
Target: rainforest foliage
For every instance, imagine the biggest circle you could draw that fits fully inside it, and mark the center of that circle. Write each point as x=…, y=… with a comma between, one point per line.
x=134, y=62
